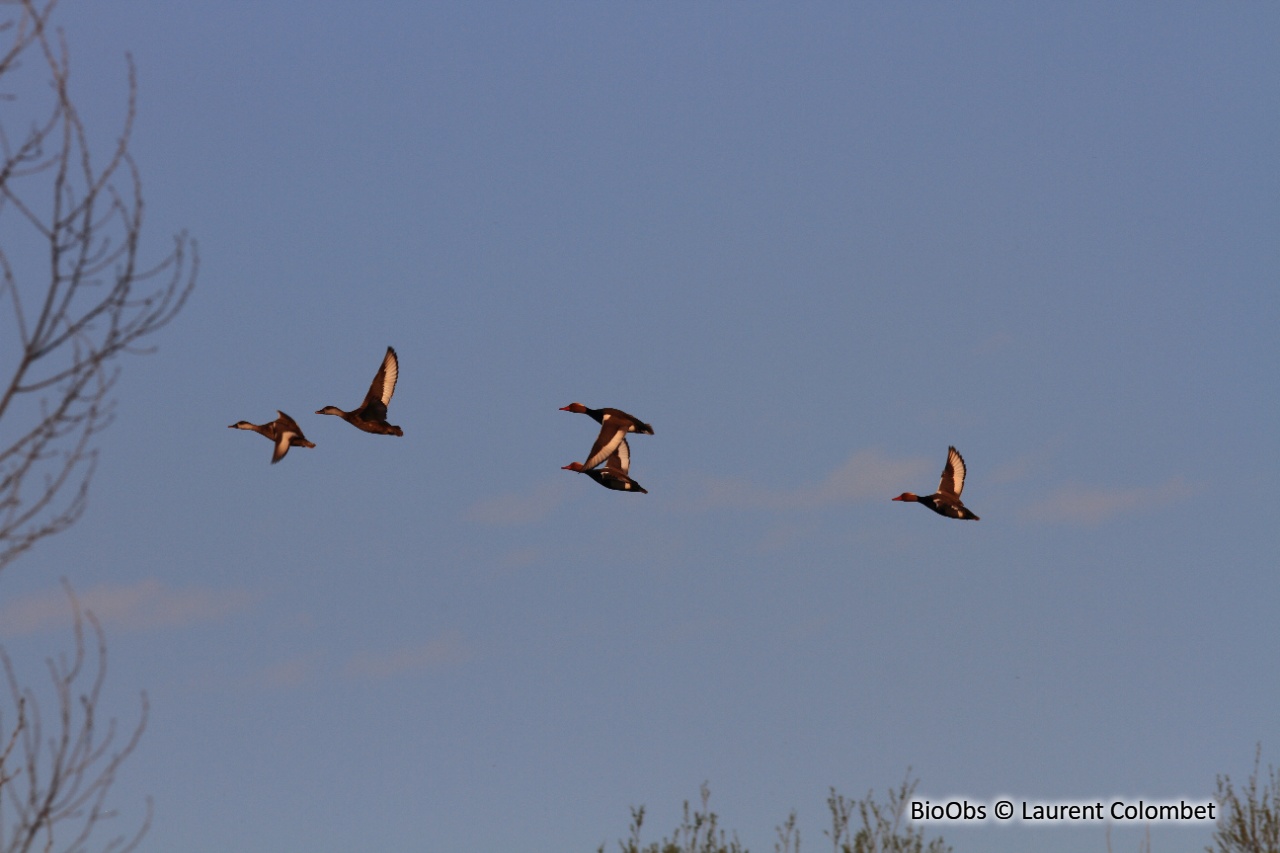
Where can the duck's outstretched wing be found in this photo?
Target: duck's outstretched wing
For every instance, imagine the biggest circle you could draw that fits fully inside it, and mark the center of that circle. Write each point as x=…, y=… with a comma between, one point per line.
x=953, y=474
x=384, y=384
x=621, y=457
x=607, y=443
x=285, y=429
x=288, y=423
x=286, y=433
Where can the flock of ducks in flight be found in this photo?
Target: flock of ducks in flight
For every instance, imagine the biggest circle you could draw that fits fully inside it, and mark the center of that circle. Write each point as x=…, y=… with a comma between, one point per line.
x=608, y=462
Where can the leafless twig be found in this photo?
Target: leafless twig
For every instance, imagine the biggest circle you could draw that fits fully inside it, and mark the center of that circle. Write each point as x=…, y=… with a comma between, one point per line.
x=78, y=225
x=56, y=770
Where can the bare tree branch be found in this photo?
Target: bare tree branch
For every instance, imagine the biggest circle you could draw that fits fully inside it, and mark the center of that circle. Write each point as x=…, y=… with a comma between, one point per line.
x=54, y=781
x=74, y=295
x=1250, y=821
x=92, y=300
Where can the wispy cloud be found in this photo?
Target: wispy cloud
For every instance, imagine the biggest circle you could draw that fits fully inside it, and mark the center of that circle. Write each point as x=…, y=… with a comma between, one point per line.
x=525, y=507
x=286, y=675
x=1034, y=462
x=866, y=475
x=780, y=536
x=444, y=650
x=143, y=606
x=1074, y=503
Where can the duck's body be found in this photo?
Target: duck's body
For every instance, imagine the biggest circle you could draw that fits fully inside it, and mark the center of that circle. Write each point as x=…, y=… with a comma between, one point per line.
x=614, y=426
x=946, y=501
x=941, y=504
x=372, y=414
x=615, y=473
x=615, y=417
x=284, y=432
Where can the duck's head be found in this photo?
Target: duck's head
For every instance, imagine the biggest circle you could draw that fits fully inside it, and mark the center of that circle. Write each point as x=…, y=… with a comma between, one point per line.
x=576, y=408
x=330, y=410
x=572, y=466
x=907, y=496
x=242, y=425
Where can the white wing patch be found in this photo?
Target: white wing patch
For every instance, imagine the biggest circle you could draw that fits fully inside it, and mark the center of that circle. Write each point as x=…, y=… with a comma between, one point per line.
x=391, y=372
x=282, y=445
x=621, y=458
x=604, y=447
x=953, y=473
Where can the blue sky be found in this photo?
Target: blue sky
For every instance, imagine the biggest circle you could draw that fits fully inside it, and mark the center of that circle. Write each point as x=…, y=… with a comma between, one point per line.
x=812, y=245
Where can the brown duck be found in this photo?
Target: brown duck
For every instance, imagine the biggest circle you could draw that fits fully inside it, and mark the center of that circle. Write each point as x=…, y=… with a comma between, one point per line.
x=615, y=473
x=372, y=414
x=946, y=501
x=614, y=425
x=283, y=431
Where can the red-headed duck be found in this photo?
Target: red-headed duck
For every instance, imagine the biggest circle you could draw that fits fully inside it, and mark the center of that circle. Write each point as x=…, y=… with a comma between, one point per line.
x=372, y=414
x=615, y=473
x=946, y=501
x=614, y=425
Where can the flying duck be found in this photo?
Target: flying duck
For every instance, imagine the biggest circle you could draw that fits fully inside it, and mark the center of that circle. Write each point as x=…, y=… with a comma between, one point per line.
x=372, y=414
x=614, y=425
x=284, y=431
x=946, y=501
x=615, y=473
